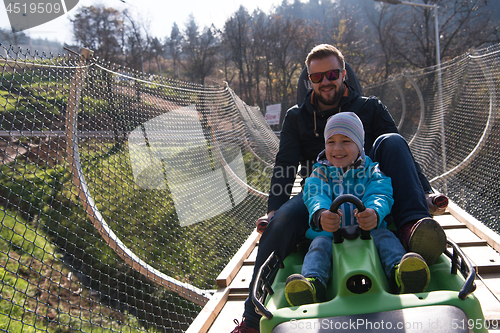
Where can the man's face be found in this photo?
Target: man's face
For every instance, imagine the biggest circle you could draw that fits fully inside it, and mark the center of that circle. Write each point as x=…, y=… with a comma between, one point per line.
x=328, y=93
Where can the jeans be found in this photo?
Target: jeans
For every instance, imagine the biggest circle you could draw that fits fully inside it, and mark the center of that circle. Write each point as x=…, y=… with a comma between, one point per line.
x=283, y=232
x=318, y=260
x=392, y=153
x=291, y=220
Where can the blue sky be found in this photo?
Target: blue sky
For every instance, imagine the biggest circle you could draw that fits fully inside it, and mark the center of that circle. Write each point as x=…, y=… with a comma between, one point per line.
x=160, y=15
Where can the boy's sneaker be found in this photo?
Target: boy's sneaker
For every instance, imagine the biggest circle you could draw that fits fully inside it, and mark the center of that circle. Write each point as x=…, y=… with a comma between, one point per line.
x=300, y=290
x=428, y=239
x=243, y=328
x=412, y=274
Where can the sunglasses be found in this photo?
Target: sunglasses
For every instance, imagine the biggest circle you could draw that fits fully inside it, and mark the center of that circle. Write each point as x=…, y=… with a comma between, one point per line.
x=331, y=75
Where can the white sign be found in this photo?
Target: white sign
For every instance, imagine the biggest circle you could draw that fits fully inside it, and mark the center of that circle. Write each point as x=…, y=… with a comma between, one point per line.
x=273, y=114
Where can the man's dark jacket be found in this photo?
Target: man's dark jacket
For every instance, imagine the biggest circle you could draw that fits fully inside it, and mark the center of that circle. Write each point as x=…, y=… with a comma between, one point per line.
x=301, y=142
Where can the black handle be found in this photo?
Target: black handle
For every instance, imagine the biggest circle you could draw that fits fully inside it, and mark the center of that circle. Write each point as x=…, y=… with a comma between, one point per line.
x=262, y=284
x=337, y=237
x=459, y=261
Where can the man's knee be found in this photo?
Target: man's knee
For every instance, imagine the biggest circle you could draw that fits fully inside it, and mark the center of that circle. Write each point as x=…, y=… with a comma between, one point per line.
x=389, y=142
x=292, y=213
x=287, y=223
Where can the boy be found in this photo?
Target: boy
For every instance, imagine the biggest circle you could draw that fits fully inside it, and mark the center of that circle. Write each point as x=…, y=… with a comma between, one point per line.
x=343, y=168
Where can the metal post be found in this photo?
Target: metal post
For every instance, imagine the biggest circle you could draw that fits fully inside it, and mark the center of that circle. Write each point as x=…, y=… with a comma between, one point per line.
x=440, y=96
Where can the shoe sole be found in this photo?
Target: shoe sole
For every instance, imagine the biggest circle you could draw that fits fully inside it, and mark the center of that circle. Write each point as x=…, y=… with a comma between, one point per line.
x=428, y=240
x=299, y=292
x=413, y=275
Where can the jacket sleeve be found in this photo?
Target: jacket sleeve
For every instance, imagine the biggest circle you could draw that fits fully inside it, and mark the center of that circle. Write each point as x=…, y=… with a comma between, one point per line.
x=382, y=121
x=286, y=164
x=378, y=193
x=317, y=195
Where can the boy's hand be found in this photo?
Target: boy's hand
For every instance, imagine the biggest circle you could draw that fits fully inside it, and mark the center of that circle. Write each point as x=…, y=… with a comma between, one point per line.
x=329, y=221
x=367, y=219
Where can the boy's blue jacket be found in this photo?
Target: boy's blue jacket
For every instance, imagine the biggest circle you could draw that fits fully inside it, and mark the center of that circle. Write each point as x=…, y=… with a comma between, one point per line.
x=366, y=182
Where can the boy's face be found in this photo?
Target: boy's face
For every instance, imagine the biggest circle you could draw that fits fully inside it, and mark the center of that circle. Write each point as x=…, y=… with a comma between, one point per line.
x=341, y=151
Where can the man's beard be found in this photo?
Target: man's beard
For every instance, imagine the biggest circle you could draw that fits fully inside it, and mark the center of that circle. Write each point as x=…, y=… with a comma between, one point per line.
x=332, y=100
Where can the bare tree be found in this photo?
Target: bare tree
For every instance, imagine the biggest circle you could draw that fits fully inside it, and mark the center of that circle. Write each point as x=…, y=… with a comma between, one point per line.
x=174, y=47
x=384, y=30
x=199, y=50
x=225, y=55
x=13, y=37
x=264, y=66
x=411, y=31
x=260, y=51
x=464, y=23
x=157, y=50
x=138, y=42
x=99, y=29
x=237, y=34
x=285, y=34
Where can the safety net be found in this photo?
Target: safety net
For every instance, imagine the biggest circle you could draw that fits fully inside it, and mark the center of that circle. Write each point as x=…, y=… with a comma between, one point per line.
x=449, y=116
x=123, y=195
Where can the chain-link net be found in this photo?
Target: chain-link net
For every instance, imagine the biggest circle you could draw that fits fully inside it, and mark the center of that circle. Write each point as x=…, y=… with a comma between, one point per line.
x=124, y=195
x=450, y=117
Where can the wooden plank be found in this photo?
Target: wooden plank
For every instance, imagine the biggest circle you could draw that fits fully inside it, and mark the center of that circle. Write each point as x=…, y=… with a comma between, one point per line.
x=489, y=303
x=492, y=280
x=228, y=301
x=489, y=299
x=491, y=237
x=237, y=294
x=251, y=258
x=210, y=311
x=231, y=269
x=484, y=258
x=464, y=237
x=242, y=278
x=224, y=323
x=448, y=221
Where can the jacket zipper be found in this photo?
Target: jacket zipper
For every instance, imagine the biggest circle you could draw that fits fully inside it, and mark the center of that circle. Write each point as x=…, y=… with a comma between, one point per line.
x=341, y=184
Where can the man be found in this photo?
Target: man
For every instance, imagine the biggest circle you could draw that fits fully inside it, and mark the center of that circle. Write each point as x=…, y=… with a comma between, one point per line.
x=301, y=142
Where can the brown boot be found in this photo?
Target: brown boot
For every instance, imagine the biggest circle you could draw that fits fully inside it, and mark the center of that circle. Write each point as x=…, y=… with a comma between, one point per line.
x=428, y=239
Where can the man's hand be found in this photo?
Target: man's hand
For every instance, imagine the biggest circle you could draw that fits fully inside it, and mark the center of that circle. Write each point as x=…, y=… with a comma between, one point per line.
x=367, y=219
x=330, y=221
x=432, y=208
x=263, y=221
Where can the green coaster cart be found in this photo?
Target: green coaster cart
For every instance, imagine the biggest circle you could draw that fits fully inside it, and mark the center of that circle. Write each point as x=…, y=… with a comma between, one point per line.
x=359, y=297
